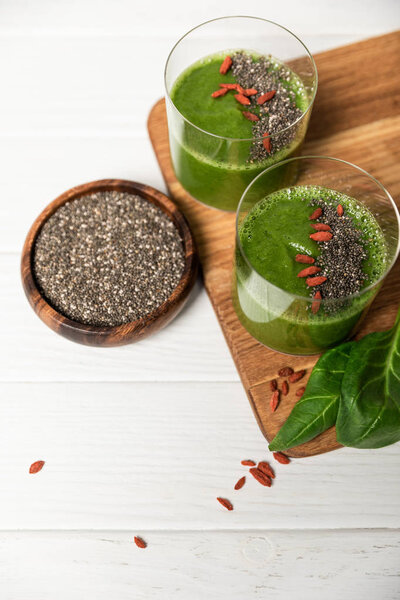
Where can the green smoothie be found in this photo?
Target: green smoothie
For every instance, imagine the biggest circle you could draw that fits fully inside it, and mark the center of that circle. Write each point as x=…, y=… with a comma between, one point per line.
x=214, y=169
x=273, y=303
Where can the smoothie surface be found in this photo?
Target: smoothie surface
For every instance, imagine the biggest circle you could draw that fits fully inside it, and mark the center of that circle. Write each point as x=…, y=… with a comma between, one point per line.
x=216, y=152
x=191, y=94
x=278, y=228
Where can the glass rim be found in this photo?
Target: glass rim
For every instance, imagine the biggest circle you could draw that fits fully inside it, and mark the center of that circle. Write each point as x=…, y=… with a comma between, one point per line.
x=349, y=164
x=251, y=139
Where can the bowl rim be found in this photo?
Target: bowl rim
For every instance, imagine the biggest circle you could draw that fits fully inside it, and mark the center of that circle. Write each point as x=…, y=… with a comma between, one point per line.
x=57, y=320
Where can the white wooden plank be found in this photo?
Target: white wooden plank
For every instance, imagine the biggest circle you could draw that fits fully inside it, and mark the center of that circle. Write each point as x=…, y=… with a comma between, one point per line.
x=157, y=456
x=80, y=84
x=201, y=565
x=131, y=18
x=191, y=348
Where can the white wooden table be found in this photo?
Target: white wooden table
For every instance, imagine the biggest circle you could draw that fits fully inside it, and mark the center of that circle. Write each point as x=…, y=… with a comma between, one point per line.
x=140, y=440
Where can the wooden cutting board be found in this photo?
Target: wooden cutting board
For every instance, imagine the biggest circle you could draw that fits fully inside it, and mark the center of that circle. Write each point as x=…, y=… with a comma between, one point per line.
x=356, y=118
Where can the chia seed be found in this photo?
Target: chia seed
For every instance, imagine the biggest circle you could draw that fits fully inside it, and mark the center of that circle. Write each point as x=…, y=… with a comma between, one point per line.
x=108, y=258
x=341, y=258
x=278, y=113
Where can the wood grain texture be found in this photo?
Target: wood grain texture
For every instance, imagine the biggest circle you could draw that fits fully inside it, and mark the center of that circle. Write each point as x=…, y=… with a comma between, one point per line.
x=204, y=565
x=355, y=118
x=130, y=332
x=155, y=456
x=25, y=336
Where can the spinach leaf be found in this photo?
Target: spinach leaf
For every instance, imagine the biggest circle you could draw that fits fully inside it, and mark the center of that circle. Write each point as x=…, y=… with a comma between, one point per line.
x=317, y=410
x=369, y=409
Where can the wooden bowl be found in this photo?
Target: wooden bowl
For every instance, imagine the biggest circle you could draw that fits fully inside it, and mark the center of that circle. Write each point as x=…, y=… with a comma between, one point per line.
x=121, y=334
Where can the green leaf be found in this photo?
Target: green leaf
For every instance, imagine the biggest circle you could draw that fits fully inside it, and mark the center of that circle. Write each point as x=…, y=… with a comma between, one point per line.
x=369, y=409
x=317, y=410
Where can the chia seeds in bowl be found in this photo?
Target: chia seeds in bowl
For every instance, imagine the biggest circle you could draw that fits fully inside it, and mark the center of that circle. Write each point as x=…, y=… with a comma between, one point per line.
x=108, y=258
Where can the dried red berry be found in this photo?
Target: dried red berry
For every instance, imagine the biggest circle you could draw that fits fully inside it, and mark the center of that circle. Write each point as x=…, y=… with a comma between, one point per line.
x=308, y=271
x=320, y=227
x=248, y=463
x=139, y=542
x=265, y=97
x=240, y=483
x=267, y=142
x=36, y=466
x=233, y=86
x=304, y=258
x=225, y=503
x=226, y=65
x=340, y=210
x=250, y=116
x=316, y=214
x=285, y=388
x=281, y=458
x=241, y=90
x=285, y=371
x=261, y=477
x=228, y=86
x=312, y=281
x=273, y=384
x=316, y=303
x=274, y=400
x=300, y=392
x=242, y=99
x=321, y=236
x=266, y=468
x=218, y=93
x=297, y=376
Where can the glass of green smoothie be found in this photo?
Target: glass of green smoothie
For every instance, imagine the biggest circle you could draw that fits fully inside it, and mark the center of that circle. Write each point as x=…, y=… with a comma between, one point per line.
x=239, y=93
x=311, y=257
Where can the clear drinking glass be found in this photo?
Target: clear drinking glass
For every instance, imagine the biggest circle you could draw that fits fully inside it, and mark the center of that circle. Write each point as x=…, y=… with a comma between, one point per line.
x=284, y=321
x=215, y=169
